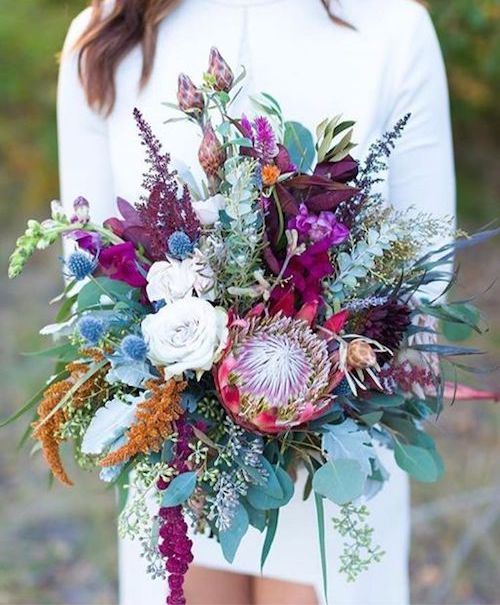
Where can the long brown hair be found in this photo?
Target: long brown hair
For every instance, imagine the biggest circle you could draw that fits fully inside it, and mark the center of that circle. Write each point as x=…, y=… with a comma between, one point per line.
x=111, y=34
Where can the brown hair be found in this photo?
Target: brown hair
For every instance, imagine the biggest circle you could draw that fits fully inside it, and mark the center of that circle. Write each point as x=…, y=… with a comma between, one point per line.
x=111, y=35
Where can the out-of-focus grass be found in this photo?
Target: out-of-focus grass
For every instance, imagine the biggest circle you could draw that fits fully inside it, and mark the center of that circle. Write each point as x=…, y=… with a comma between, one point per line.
x=57, y=545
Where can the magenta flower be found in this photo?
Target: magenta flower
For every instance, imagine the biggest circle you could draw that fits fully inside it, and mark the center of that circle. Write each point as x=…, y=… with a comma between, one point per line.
x=120, y=262
x=261, y=133
x=86, y=240
x=318, y=227
x=307, y=270
x=265, y=142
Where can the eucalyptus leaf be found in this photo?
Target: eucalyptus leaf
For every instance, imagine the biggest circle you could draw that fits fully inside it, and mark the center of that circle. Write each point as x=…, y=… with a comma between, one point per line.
x=90, y=295
x=341, y=481
x=230, y=538
x=420, y=463
x=300, y=145
x=179, y=489
x=256, y=518
x=270, y=535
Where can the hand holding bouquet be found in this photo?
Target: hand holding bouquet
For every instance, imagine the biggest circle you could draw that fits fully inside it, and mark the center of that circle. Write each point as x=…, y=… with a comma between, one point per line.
x=212, y=339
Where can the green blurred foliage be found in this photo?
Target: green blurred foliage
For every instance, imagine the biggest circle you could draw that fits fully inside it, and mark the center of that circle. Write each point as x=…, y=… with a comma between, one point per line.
x=31, y=35
x=469, y=31
x=32, y=32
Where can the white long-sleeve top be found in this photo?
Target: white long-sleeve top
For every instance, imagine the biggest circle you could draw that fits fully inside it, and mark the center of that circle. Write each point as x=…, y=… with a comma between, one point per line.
x=387, y=65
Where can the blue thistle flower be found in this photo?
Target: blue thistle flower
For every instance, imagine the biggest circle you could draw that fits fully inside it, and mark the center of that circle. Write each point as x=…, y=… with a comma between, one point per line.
x=179, y=244
x=342, y=389
x=134, y=347
x=91, y=329
x=80, y=264
x=158, y=304
x=257, y=177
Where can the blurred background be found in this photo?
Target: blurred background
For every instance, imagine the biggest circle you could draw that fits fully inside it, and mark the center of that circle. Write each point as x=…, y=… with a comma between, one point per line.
x=57, y=545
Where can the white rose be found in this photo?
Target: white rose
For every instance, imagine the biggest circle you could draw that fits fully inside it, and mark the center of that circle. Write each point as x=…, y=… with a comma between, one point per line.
x=207, y=210
x=188, y=334
x=169, y=280
x=174, y=279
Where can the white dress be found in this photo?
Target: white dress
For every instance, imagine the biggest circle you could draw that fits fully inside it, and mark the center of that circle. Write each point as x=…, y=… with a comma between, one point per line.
x=390, y=64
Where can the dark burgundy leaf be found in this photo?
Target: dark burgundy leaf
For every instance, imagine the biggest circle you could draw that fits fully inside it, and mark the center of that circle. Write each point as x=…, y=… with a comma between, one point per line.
x=304, y=181
x=128, y=211
x=271, y=260
x=272, y=221
x=115, y=225
x=342, y=172
x=283, y=161
x=287, y=202
x=329, y=200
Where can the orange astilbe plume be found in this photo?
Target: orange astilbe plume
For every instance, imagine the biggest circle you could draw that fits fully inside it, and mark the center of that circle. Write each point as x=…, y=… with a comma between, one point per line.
x=47, y=429
x=154, y=416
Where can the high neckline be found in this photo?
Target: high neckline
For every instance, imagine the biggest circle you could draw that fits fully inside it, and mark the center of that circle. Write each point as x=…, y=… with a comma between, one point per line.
x=243, y=3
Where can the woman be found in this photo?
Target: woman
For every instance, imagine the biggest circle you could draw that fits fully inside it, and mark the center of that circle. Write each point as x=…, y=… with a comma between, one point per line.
x=374, y=61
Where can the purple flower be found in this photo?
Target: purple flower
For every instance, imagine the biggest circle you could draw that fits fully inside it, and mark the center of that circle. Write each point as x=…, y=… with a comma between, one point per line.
x=247, y=127
x=120, y=262
x=265, y=142
x=318, y=227
x=86, y=240
x=261, y=133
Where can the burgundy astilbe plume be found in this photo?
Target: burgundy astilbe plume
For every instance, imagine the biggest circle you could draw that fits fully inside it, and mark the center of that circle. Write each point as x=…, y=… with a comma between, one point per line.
x=162, y=211
x=175, y=545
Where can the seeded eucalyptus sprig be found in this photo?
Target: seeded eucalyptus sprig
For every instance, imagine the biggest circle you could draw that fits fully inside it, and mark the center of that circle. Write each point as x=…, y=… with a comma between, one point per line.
x=358, y=551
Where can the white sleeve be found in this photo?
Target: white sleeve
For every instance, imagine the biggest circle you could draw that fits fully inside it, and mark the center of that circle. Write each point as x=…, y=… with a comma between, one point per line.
x=84, y=159
x=421, y=168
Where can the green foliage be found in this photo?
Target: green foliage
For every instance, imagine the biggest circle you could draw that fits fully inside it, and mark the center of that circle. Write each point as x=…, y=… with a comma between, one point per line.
x=180, y=489
x=327, y=132
x=422, y=464
x=358, y=551
x=300, y=144
x=468, y=31
x=230, y=538
x=340, y=480
x=31, y=36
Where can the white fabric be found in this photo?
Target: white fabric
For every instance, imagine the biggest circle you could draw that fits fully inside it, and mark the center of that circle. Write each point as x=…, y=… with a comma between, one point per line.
x=390, y=64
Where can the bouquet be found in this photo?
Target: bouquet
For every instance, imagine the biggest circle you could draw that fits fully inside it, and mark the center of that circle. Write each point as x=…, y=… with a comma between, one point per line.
x=217, y=336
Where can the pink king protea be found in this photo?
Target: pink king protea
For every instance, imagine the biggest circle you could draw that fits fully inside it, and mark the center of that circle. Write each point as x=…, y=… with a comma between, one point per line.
x=275, y=374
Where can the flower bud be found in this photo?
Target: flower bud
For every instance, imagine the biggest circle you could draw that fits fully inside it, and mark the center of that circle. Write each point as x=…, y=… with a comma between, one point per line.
x=188, y=96
x=220, y=70
x=211, y=154
x=82, y=210
x=361, y=355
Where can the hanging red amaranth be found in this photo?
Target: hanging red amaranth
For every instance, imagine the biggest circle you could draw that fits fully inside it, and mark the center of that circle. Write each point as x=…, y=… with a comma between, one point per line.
x=175, y=545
